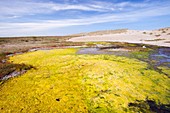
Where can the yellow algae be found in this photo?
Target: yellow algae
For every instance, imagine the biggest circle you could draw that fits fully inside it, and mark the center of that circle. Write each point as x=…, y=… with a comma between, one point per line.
x=165, y=70
x=64, y=82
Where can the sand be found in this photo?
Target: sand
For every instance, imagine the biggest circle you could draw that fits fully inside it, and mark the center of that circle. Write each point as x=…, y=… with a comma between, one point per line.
x=159, y=37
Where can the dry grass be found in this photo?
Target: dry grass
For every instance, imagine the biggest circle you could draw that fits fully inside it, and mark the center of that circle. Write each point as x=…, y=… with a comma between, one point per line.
x=22, y=44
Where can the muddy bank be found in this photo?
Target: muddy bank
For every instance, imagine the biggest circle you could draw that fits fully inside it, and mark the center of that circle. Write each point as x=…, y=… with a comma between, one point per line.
x=13, y=74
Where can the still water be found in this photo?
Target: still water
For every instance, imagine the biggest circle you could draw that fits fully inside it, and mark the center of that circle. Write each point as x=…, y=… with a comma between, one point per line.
x=161, y=56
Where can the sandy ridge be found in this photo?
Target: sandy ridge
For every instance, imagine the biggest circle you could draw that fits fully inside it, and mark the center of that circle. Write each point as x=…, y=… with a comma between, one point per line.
x=159, y=37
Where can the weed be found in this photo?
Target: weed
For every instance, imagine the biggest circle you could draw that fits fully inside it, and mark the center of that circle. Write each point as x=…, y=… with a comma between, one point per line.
x=163, y=31
x=158, y=35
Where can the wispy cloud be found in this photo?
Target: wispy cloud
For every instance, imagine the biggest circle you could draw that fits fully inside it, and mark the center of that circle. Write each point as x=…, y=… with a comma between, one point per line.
x=30, y=7
x=108, y=12
x=48, y=24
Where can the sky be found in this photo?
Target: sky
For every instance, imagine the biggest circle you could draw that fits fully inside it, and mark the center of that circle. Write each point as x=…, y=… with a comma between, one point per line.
x=64, y=17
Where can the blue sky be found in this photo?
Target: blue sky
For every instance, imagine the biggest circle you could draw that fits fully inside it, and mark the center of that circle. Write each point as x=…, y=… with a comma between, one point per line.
x=62, y=17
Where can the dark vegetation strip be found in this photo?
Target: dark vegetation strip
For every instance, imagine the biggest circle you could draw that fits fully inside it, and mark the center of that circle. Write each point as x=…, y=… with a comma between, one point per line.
x=149, y=106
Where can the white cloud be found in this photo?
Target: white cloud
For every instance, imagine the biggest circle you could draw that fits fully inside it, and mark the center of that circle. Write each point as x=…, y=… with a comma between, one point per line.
x=31, y=7
x=18, y=8
x=30, y=27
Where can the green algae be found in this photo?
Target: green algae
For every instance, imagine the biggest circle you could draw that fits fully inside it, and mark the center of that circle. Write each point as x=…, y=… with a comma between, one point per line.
x=65, y=82
x=165, y=70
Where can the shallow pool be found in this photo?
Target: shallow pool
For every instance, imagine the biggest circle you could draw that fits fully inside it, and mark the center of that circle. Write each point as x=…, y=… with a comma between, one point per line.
x=161, y=56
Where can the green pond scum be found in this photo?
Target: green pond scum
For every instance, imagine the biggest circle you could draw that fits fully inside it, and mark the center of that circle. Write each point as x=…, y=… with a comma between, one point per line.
x=64, y=82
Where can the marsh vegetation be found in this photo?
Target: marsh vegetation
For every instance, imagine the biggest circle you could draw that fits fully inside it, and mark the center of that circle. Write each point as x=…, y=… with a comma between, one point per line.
x=63, y=79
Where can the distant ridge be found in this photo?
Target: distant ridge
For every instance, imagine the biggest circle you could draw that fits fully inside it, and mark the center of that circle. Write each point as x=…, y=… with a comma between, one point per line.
x=116, y=31
x=101, y=32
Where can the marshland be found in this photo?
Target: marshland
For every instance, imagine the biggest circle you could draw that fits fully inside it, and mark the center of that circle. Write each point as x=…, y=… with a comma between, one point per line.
x=40, y=74
x=84, y=56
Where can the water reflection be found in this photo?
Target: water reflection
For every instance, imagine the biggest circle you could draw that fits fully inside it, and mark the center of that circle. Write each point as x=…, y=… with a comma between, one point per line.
x=162, y=57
